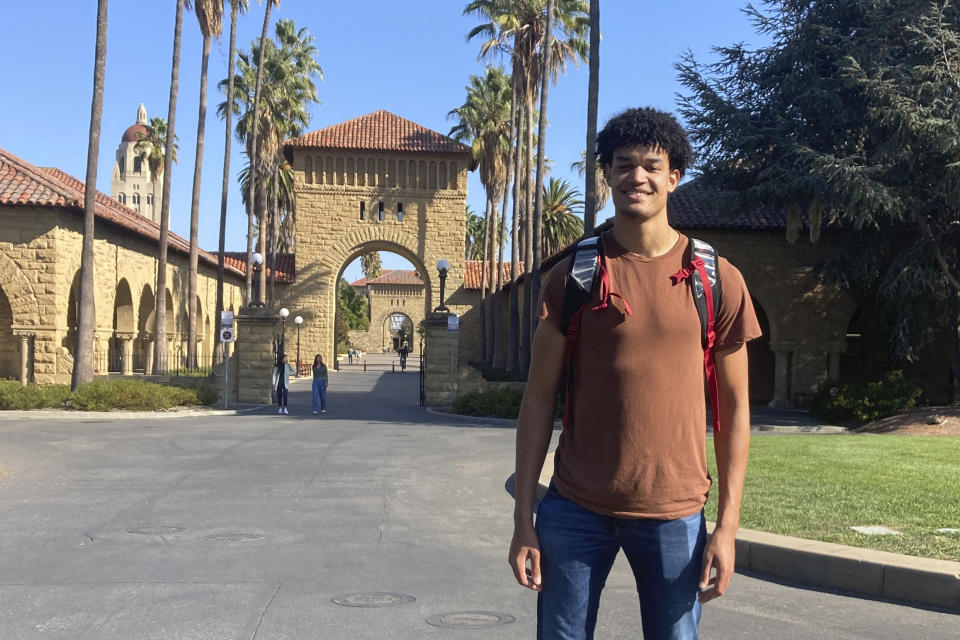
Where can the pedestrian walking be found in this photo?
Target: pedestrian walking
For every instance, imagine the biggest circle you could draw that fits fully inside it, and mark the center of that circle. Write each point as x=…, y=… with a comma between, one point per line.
x=281, y=382
x=320, y=381
x=630, y=470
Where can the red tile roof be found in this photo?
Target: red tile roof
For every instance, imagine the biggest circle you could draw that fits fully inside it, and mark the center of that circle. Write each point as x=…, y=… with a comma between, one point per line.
x=397, y=276
x=23, y=184
x=379, y=131
x=286, y=265
x=473, y=273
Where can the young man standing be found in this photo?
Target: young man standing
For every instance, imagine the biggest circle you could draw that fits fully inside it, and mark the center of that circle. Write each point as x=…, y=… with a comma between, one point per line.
x=630, y=468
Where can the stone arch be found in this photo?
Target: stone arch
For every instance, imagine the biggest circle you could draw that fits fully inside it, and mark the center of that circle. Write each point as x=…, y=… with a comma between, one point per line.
x=24, y=306
x=145, y=328
x=762, y=360
x=123, y=312
x=69, y=340
x=9, y=351
x=387, y=337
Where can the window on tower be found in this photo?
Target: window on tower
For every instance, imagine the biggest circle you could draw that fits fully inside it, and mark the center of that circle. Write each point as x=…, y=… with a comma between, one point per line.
x=137, y=164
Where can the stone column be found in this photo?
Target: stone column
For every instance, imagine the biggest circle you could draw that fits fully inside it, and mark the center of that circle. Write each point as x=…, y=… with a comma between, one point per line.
x=147, y=341
x=25, y=338
x=126, y=352
x=781, y=385
x=253, y=353
x=437, y=343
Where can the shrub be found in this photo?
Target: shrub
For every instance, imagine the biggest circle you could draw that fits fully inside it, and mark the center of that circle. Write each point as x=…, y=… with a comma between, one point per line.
x=135, y=395
x=14, y=395
x=865, y=402
x=498, y=403
x=495, y=403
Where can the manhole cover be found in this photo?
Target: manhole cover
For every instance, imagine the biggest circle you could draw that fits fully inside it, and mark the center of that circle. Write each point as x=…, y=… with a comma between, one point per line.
x=156, y=531
x=232, y=537
x=379, y=599
x=470, y=620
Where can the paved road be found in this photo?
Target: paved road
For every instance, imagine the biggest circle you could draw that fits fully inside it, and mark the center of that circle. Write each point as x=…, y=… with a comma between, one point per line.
x=247, y=527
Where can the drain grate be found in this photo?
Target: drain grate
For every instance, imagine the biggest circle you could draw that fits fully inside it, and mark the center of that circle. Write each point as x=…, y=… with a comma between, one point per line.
x=232, y=537
x=470, y=620
x=156, y=530
x=377, y=599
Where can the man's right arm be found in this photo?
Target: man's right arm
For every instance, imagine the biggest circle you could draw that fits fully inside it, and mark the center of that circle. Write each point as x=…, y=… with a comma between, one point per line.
x=534, y=430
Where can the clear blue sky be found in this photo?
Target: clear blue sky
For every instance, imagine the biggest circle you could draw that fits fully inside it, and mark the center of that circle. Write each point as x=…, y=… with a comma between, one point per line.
x=411, y=58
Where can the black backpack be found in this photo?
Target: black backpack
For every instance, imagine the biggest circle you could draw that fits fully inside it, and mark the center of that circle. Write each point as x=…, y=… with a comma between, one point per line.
x=587, y=270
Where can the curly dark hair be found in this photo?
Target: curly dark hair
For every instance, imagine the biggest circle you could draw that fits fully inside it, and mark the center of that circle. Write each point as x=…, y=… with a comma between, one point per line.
x=647, y=127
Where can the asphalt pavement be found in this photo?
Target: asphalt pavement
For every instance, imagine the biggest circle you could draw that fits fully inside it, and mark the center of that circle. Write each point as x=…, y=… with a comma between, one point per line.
x=376, y=520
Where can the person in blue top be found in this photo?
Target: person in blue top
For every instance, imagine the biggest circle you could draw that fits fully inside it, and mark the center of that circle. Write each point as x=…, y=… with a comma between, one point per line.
x=320, y=380
x=281, y=382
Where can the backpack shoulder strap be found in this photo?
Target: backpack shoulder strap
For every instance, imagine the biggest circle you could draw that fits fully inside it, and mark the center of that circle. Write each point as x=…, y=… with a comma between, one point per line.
x=581, y=277
x=706, y=253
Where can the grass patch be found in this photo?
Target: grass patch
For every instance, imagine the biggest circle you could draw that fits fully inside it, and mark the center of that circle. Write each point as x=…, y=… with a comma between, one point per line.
x=132, y=395
x=818, y=486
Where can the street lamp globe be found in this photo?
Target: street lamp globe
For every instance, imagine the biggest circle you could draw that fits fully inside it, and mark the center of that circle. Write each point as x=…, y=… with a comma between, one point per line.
x=443, y=265
x=298, y=320
x=257, y=259
x=284, y=312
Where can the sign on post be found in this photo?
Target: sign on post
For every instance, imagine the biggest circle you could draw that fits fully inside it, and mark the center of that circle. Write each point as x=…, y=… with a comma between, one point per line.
x=226, y=326
x=453, y=323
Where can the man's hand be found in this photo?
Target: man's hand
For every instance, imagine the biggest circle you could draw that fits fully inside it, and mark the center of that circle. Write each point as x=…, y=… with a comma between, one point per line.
x=720, y=555
x=525, y=547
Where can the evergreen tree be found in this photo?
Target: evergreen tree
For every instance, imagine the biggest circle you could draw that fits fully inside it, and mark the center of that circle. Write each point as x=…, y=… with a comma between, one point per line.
x=849, y=120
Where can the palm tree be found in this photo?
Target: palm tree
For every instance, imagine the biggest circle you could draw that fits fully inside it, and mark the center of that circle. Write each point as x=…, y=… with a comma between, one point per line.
x=287, y=71
x=236, y=7
x=83, y=365
x=476, y=229
x=210, y=16
x=252, y=155
x=593, y=183
x=151, y=148
x=561, y=226
x=370, y=265
x=517, y=27
x=601, y=191
x=483, y=120
x=533, y=288
x=160, y=311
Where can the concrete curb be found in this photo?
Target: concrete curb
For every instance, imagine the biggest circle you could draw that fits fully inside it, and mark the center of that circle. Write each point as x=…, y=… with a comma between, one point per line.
x=64, y=414
x=869, y=572
x=879, y=574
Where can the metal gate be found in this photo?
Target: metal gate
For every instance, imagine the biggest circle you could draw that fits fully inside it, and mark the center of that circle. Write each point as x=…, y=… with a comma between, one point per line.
x=423, y=377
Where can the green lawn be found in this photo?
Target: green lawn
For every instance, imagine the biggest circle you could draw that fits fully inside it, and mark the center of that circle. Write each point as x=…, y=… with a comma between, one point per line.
x=818, y=486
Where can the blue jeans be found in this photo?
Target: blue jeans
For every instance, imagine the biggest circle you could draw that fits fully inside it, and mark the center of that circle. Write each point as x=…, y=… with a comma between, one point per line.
x=319, y=395
x=281, y=393
x=578, y=548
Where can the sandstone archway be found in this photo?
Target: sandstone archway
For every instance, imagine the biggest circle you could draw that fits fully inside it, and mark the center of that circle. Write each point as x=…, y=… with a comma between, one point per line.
x=375, y=183
x=9, y=351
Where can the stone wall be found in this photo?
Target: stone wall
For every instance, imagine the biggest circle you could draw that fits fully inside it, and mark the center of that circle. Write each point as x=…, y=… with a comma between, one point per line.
x=40, y=252
x=253, y=357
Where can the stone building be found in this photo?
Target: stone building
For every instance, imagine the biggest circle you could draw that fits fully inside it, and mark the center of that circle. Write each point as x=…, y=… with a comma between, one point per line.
x=375, y=183
x=133, y=183
x=40, y=247
x=811, y=331
x=396, y=295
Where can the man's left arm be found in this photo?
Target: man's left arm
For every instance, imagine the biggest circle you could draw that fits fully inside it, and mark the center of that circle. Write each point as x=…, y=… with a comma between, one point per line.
x=732, y=447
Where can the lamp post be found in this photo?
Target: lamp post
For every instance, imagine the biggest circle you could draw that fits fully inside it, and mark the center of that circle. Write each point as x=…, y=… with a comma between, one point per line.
x=284, y=312
x=298, y=321
x=257, y=260
x=443, y=266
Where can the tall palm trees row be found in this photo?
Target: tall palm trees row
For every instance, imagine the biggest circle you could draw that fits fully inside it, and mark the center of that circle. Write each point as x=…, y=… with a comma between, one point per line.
x=283, y=73
x=539, y=38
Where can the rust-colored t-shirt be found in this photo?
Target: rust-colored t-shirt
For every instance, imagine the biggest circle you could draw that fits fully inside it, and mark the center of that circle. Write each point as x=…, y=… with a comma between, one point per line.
x=634, y=443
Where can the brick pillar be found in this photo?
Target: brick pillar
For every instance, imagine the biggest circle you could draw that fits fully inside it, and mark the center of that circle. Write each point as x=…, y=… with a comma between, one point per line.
x=147, y=341
x=253, y=353
x=437, y=344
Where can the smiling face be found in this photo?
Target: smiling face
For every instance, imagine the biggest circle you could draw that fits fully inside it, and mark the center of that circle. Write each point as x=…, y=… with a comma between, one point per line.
x=640, y=179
